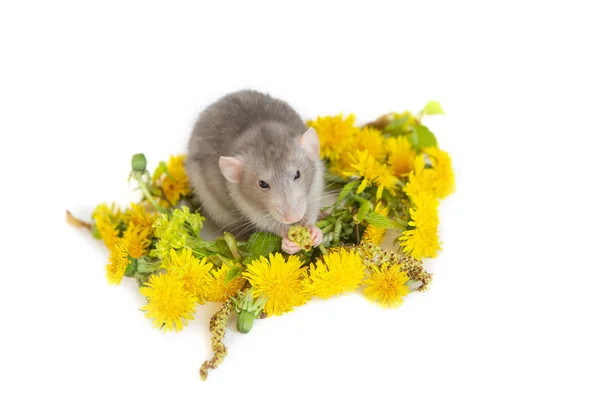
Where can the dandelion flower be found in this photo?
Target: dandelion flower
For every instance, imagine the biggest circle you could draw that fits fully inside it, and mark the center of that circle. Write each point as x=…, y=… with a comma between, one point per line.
x=174, y=183
x=421, y=239
x=371, y=140
x=342, y=166
x=107, y=219
x=279, y=281
x=138, y=215
x=385, y=181
x=169, y=303
x=421, y=242
x=193, y=273
x=117, y=263
x=340, y=271
x=218, y=290
x=333, y=132
x=401, y=155
x=444, y=175
x=438, y=181
x=421, y=180
x=137, y=240
x=364, y=166
x=386, y=286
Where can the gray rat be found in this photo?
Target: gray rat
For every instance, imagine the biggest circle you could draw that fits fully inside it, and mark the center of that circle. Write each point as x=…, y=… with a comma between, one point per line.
x=253, y=164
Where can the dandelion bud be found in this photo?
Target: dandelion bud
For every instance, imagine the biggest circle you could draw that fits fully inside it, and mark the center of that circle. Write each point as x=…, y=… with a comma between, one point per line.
x=248, y=310
x=245, y=321
x=138, y=162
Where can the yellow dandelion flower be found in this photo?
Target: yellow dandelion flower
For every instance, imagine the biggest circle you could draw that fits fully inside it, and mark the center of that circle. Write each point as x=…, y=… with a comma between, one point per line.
x=334, y=132
x=437, y=181
x=364, y=166
x=106, y=219
x=385, y=181
x=342, y=166
x=341, y=271
x=218, y=290
x=421, y=180
x=193, y=273
x=401, y=155
x=139, y=215
x=371, y=140
x=421, y=239
x=420, y=243
x=174, y=184
x=372, y=234
x=386, y=286
x=137, y=240
x=442, y=167
x=169, y=303
x=117, y=263
x=279, y=281
x=424, y=183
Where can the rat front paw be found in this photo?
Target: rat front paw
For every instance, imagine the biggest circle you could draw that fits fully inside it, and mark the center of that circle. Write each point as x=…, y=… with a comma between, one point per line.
x=316, y=235
x=289, y=247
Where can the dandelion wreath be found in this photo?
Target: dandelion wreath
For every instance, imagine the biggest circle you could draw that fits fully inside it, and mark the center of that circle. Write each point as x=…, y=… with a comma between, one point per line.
x=390, y=175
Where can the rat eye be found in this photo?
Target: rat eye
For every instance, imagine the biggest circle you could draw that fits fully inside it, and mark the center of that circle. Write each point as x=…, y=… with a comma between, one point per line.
x=263, y=184
x=297, y=175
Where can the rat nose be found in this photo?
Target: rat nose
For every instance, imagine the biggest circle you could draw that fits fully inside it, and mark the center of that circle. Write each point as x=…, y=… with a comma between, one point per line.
x=290, y=216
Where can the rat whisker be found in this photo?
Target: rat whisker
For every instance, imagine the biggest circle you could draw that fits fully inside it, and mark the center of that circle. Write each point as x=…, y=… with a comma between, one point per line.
x=260, y=213
x=254, y=224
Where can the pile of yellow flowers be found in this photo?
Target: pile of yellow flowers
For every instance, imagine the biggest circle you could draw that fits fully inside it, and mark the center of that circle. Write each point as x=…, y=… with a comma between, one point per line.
x=390, y=175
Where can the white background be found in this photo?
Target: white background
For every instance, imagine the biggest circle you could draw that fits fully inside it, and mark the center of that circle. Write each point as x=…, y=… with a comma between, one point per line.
x=514, y=305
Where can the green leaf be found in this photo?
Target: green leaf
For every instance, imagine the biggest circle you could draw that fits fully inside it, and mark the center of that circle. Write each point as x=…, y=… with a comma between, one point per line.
x=397, y=126
x=378, y=220
x=146, y=266
x=413, y=138
x=233, y=273
x=432, y=108
x=422, y=137
x=397, y=224
x=346, y=190
x=363, y=211
x=222, y=247
x=217, y=262
x=262, y=244
x=131, y=268
x=232, y=245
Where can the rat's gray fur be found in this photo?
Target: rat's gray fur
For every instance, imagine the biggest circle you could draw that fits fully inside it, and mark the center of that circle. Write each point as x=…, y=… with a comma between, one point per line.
x=264, y=132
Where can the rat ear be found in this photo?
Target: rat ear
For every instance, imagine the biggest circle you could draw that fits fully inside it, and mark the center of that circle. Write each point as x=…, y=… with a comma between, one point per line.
x=309, y=141
x=231, y=168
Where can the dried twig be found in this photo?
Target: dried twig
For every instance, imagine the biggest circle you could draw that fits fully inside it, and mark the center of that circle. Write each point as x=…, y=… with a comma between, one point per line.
x=77, y=223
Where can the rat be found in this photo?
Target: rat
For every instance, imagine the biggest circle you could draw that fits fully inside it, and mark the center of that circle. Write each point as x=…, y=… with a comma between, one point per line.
x=253, y=164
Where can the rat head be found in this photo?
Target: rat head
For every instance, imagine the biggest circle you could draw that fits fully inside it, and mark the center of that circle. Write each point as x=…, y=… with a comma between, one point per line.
x=273, y=172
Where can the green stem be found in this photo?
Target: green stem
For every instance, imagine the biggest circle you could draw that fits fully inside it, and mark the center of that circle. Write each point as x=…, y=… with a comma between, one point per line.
x=337, y=231
x=323, y=249
x=327, y=229
x=358, y=199
x=322, y=224
x=148, y=195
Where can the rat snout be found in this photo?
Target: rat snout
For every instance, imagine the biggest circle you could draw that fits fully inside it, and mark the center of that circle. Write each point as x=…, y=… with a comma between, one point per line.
x=290, y=216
